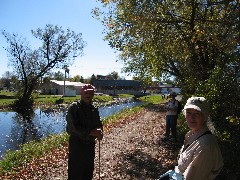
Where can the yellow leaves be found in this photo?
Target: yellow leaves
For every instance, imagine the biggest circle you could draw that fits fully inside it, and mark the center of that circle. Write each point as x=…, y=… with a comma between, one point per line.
x=105, y=1
x=234, y=120
x=226, y=135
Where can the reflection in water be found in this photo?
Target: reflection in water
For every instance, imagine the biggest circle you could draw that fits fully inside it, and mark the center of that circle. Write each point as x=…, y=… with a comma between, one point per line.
x=20, y=127
x=23, y=128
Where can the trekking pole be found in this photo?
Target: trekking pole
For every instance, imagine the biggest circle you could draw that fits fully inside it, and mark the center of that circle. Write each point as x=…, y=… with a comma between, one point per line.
x=99, y=159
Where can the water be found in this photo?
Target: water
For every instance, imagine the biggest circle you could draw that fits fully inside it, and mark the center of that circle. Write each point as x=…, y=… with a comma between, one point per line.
x=16, y=129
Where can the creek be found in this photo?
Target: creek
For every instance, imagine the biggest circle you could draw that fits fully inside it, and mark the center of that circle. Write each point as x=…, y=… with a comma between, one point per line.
x=17, y=129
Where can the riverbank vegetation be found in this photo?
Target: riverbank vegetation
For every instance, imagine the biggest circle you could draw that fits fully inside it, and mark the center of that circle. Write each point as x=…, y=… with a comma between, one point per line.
x=7, y=99
x=30, y=151
x=34, y=149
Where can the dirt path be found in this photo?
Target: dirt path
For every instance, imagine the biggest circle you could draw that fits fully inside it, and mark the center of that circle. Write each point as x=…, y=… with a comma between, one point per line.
x=131, y=149
x=135, y=151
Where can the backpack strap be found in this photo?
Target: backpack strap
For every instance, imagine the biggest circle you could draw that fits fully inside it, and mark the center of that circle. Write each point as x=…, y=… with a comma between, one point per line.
x=207, y=132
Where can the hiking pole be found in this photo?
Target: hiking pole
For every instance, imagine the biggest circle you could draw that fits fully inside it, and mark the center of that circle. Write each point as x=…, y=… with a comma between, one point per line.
x=99, y=159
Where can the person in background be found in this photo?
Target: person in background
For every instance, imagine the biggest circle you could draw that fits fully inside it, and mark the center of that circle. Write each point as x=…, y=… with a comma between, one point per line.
x=84, y=127
x=200, y=157
x=171, y=117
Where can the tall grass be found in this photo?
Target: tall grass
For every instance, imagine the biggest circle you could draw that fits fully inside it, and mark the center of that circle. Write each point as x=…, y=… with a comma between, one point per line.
x=152, y=99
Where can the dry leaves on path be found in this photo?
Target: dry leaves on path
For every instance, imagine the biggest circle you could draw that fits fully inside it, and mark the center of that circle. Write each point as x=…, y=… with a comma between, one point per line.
x=135, y=151
x=130, y=149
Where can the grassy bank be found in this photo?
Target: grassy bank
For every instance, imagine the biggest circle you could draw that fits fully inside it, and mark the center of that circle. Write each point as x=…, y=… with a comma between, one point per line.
x=8, y=98
x=33, y=149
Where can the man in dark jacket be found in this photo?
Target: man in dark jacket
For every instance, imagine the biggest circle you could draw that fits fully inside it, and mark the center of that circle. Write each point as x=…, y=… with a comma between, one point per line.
x=84, y=127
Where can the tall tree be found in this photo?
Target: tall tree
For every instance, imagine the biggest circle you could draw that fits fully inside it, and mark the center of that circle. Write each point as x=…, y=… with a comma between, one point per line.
x=58, y=76
x=76, y=78
x=113, y=76
x=190, y=40
x=9, y=80
x=174, y=37
x=81, y=79
x=195, y=41
x=93, y=77
x=59, y=47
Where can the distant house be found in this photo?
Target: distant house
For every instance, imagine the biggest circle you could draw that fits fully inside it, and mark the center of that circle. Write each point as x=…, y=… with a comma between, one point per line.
x=163, y=89
x=168, y=88
x=101, y=77
x=113, y=87
x=57, y=88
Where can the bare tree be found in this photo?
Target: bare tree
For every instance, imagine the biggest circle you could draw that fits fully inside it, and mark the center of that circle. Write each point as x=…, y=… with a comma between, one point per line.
x=59, y=47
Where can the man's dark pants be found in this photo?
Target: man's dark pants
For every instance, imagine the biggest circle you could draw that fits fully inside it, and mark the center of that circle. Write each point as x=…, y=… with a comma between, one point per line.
x=171, y=124
x=80, y=159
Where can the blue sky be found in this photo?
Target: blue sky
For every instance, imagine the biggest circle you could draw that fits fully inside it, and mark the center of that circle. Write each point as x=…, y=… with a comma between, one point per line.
x=21, y=16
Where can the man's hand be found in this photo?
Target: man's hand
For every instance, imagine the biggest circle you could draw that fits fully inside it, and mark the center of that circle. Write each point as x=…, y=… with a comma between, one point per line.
x=98, y=133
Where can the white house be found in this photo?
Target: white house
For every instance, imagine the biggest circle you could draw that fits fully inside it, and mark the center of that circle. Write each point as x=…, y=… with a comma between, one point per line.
x=168, y=88
x=71, y=88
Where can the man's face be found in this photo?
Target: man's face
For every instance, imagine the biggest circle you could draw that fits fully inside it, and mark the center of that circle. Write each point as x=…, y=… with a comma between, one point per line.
x=87, y=96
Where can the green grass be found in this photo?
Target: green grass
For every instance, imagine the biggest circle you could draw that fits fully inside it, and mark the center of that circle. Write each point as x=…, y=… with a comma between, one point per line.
x=7, y=98
x=7, y=93
x=6, y=102
x=31, y=150
x=153, y=99
x=124, y=95
x=122, y=114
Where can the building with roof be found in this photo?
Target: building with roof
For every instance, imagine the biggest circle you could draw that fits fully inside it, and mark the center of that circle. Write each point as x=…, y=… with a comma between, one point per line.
x=57, y=88
x=114, y=87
